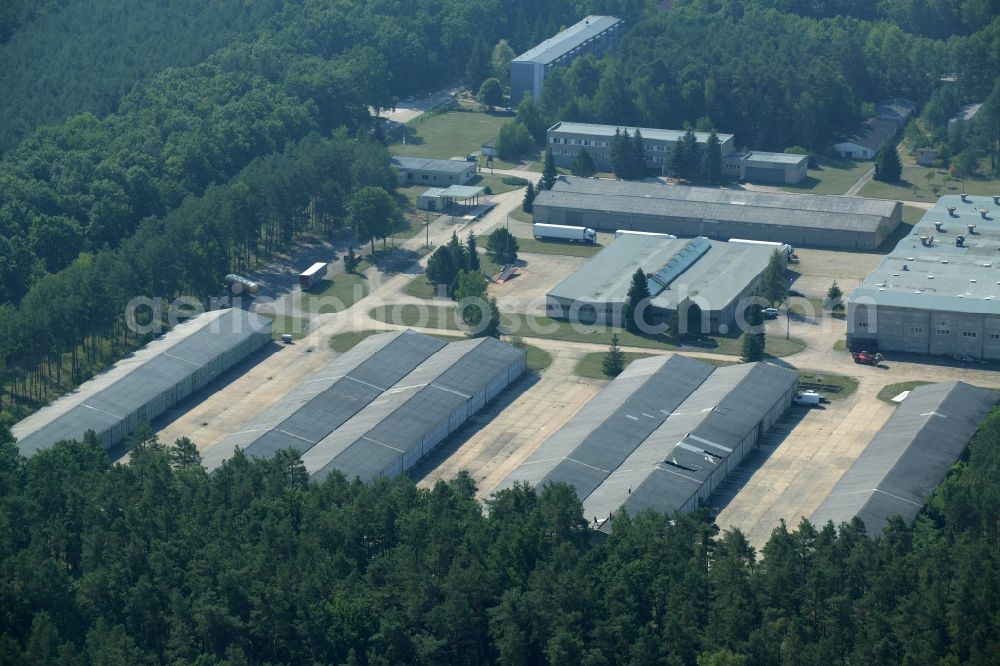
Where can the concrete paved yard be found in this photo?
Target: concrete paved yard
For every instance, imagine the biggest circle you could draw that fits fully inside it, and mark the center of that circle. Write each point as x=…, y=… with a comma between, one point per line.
x=236, y=398
x=539, y=273
x=798, y=463
x=511, y=428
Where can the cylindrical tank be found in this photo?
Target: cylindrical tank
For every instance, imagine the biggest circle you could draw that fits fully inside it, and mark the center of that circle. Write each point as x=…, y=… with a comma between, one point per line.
x=238, y=284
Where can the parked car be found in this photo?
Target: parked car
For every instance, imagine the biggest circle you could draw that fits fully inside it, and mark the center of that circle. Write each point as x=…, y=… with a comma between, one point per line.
x=770, y=313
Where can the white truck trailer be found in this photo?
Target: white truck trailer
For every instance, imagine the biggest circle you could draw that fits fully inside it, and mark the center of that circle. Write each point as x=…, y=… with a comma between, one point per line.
x=563, y=232
x=313, y=275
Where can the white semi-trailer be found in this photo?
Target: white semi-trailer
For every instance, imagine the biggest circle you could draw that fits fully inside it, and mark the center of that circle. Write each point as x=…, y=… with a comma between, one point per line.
x=313, y=275
x=563, y=232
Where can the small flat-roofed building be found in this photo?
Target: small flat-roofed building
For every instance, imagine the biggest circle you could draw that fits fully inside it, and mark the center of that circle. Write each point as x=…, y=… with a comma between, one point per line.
x=442, y=198
x=144, y=385
x=909, y=456
x=430, y=172
x=847, y=223
x=925, y=156
x=938, y=291
x=769, y=168
x=661, y=436
x=377, y=409
x=705, y=283
x=593, y=35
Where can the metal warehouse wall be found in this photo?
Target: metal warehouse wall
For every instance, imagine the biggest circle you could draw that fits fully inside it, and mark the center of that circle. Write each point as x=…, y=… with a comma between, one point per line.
x=456, y=419
x=721, y=229
x=734, y=459
x=186, y=387
x=923, y=331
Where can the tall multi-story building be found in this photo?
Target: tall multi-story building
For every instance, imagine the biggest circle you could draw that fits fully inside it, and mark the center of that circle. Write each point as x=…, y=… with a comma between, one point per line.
x=593, y=35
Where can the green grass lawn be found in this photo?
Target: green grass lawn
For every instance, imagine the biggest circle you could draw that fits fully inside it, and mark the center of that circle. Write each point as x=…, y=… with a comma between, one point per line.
x=495, y=183
x=340, y=293
x=591, y=365
x=444, y=317
x=556, y=247
x=521, y=216
x=847, y=385
x=911, y=215
x=538, y=359
x=890, y=391
x=834, y=176
x=915, y=186
x=451, y=134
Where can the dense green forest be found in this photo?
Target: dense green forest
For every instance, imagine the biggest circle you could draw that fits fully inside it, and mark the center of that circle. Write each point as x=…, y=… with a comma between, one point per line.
x=203, y=169
x=159, y=562
x=83, y=56
x=174, y=175
x=775, y=78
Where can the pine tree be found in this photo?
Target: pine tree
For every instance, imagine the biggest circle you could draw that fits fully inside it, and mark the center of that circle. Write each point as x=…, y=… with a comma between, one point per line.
x=489, y=326
x=888, y=167
x=773, y=287
x=501, y=247
x=614, y=360
x=637, y=156
x=713, y=157
x=583, y=165
x=440, y=267
x=458, y=255
x=549, y=172
x=617, y=152
x=472, y=252
x=753, y=338
x=834, y=297
x=636, y=300
x=621, y=154
x=529, y=198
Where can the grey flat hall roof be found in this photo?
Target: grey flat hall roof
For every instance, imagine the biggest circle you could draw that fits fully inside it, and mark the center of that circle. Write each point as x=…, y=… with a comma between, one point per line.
x=108, y=399
x=670, y=467
x=428, y=164
x=329, y=397
x=602, y=434
x=372, y=404
x=781, y=209
x=777, y=158
x=576, y=35
x=717, y=276
x=397, y=422
x=909, y=456
x=647, y=132
x=660, y=428
x=944, y=276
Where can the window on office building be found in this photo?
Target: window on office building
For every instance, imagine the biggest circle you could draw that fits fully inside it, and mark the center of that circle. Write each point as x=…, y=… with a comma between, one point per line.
x=969, y=334
x=916, y=329
x=943, y=331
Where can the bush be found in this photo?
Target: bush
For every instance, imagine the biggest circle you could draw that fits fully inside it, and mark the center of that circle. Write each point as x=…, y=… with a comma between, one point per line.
x=515, y=181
